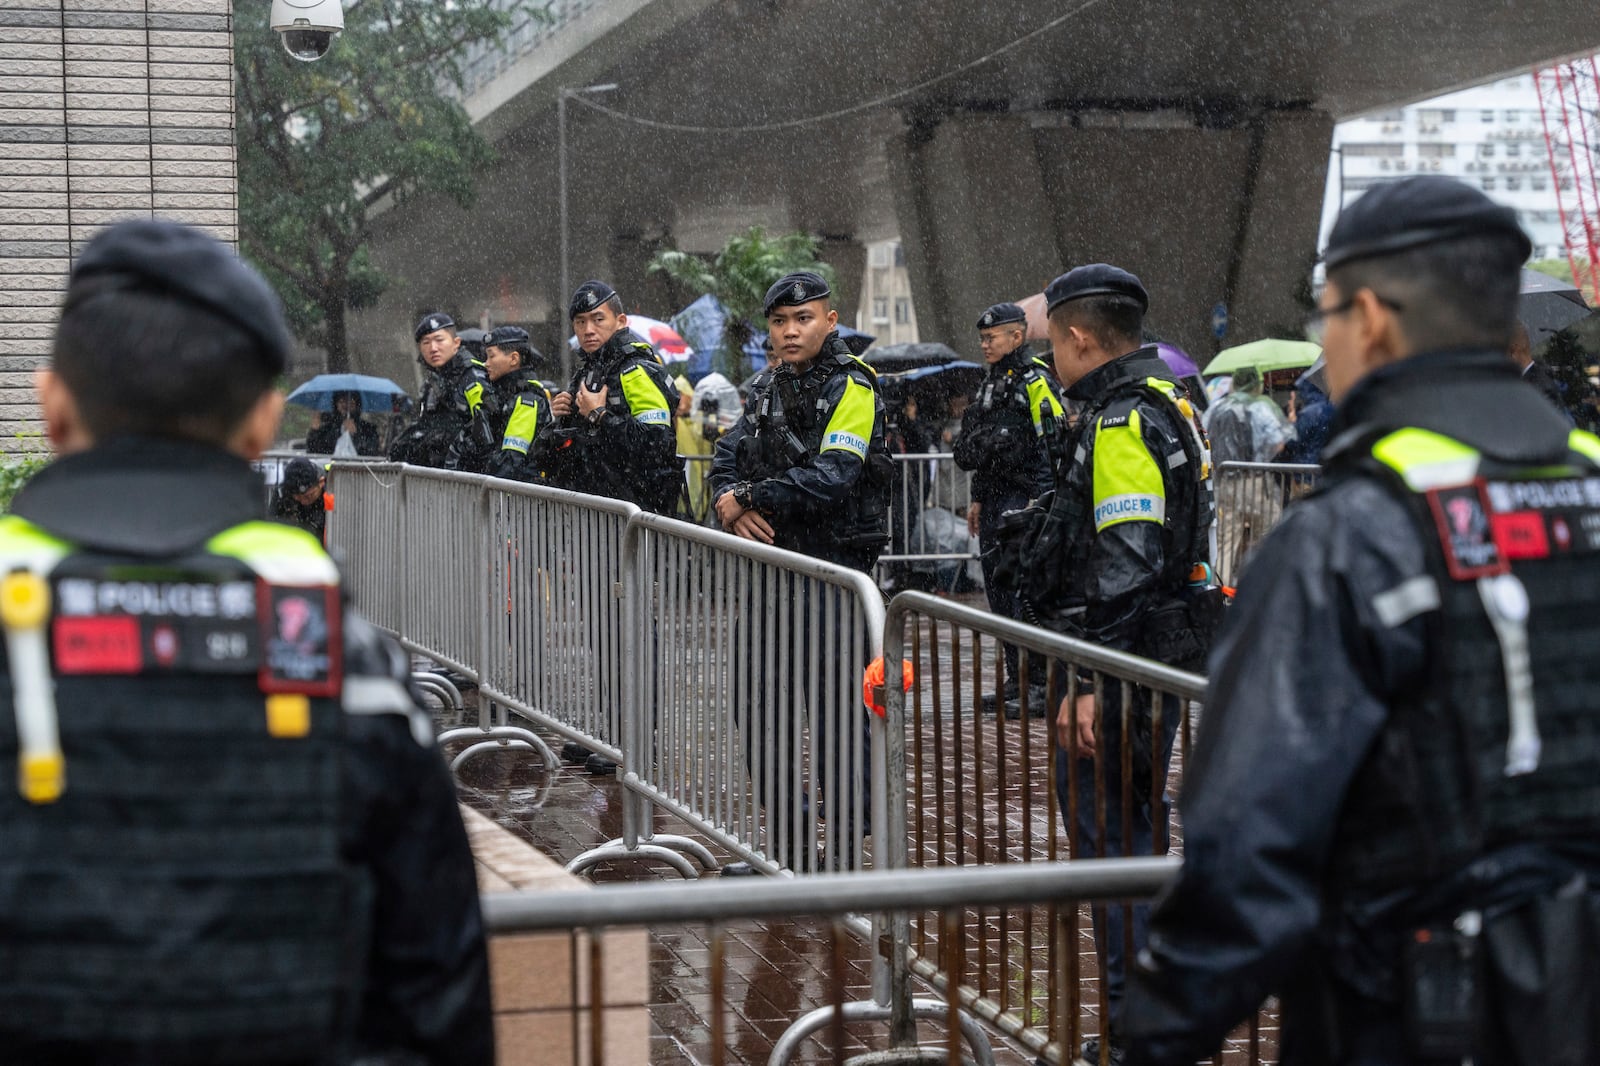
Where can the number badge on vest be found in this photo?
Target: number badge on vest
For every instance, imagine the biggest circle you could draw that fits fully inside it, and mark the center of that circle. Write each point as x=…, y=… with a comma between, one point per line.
x=300, y=628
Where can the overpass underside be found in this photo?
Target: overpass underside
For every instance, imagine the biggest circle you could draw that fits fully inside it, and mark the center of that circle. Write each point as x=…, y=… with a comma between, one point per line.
x=1185, y=141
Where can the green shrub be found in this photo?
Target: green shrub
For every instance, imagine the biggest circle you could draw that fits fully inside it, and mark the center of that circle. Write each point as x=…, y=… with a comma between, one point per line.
x=15, y=470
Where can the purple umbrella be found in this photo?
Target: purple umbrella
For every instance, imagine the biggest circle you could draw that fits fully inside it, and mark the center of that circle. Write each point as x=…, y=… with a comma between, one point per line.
x=1177, y=360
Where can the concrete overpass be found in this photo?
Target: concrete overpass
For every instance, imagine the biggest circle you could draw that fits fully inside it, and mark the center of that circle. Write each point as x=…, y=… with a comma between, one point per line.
x=1187, y=141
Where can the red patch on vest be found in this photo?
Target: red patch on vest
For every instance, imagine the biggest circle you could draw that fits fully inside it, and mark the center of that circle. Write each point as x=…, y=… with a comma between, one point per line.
x=1521, y=535
x=1461, y=516
x=99, y=644
x=302, y=640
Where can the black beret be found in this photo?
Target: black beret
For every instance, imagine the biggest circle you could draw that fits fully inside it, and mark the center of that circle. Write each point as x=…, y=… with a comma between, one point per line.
x=194, y=267
x=299, y=475
x=507, y=337
x=590, y=295
x=1096, y=279
x=795, y=289
x=432, y=324
x=1001, y=315
x=1406, y=214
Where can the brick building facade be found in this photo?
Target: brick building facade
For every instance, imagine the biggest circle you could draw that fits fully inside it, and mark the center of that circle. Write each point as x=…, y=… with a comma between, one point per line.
x=108, y=109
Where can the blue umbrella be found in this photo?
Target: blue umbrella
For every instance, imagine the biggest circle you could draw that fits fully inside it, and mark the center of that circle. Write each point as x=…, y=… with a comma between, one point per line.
x=377, y=394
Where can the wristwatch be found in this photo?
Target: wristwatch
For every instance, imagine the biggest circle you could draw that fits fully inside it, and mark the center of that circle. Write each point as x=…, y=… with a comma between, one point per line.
x=596, y=415
x=741, y=495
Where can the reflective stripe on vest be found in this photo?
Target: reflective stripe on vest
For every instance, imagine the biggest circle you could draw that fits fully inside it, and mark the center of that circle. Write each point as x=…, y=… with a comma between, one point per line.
x=1427, y=460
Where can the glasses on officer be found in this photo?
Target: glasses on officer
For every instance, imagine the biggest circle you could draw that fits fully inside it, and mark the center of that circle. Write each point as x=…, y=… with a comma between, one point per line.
x=1316, y=325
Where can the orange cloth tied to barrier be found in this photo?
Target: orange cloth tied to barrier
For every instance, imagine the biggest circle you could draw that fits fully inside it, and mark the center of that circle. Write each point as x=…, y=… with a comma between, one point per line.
x=873, y=683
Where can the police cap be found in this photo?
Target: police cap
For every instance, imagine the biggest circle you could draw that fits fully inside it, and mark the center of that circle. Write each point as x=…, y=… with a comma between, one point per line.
x=589, y=297
x=190, y=266
x=1001, y=315
x=1096, y=279
x=298, y=476
x=508, y=337
x=432, y=323
x=795, y=289
x=1416, y=211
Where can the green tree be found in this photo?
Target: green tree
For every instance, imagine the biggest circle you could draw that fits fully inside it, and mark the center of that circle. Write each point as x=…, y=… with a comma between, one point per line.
x=739, y=277
x=321, y=143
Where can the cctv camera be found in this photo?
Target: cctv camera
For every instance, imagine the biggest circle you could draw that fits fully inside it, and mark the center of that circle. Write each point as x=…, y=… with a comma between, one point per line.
x=308, y=27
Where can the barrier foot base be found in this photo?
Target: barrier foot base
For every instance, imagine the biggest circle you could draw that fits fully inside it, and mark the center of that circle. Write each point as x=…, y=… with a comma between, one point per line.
x=497, y=738
x=693, y=848
x=866, y=1011
x=616, y=850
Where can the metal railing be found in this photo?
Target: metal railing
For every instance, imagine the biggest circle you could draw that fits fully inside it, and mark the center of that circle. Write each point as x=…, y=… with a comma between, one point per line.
x=927, y=533
x=746, y=694
x=949, y=893
x=725, y=676
x=483, y=64
x=1250, y=500
x=983, y=788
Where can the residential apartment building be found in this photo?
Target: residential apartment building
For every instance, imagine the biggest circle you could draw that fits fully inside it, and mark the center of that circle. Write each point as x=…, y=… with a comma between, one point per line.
x=886, y=311
x=1491, y=136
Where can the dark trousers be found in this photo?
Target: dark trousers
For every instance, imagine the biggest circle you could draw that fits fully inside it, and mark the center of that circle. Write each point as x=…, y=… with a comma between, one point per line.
x=1004, y=601
x=807, y=736
x=1147, y=832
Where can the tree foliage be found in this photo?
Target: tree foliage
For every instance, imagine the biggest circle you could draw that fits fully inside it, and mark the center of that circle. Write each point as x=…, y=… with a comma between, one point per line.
x=739, y=277
x=321, y=143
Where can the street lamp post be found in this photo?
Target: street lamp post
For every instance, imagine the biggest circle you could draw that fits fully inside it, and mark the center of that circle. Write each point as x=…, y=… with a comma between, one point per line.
x=566, y=266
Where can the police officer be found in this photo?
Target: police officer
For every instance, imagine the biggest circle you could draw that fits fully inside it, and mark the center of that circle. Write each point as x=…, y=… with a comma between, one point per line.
x=455, y=417
x=231, y=837
x=806, y=468
x=1393, y=817
x=300, y=499
x=614, y=434
x=1112, y=563
x=521, y=403
x=1005, y=442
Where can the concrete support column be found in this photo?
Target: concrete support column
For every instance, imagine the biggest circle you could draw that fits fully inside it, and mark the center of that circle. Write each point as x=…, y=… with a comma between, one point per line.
x=848, y=257
x=974, y=219
x=992, y=206
x=1276, y=246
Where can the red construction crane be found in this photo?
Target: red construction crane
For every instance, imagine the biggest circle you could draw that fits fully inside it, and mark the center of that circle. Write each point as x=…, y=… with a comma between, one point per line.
x=1569, y=102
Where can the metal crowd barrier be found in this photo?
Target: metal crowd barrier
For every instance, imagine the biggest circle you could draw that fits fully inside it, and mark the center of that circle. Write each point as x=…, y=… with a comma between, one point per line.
x=270, y=466
x=749, y=723
x=927, y=488
x=1250, y=500
x=981, y=789
x=949, y=893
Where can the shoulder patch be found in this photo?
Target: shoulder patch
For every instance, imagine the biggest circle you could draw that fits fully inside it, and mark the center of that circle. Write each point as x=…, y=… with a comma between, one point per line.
x=1112, y=421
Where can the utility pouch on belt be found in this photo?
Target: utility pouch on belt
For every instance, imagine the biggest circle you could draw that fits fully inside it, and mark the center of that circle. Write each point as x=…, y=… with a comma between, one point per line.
x=1542, y=980
x=1443, y=985
x=1013, y=533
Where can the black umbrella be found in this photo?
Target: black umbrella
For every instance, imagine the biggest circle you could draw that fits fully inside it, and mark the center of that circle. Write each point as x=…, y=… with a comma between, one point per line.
x=898, y=357
x=952, y=379
x=1548, y=305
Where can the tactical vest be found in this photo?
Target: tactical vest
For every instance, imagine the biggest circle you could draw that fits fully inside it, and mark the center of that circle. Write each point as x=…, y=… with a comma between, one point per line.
x=1188, y=480
x=607, y=371
x=172, y=881
x=1503, y=745
x=788, y=423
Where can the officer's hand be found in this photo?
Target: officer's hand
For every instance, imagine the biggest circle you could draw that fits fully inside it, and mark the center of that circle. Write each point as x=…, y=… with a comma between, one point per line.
x=561, y=404
x=728, y=510
x=1079, y=716
x=972, y=519
x=751, y=526
x=592, y=399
